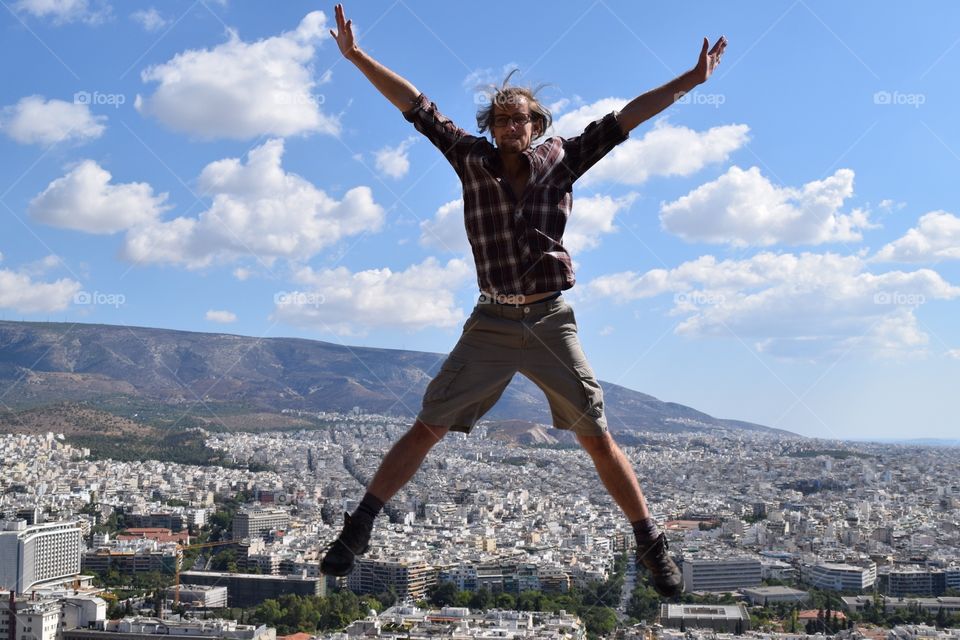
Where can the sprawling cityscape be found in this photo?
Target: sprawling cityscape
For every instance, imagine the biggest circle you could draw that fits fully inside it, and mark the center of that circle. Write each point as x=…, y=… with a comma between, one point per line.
x=776, y=537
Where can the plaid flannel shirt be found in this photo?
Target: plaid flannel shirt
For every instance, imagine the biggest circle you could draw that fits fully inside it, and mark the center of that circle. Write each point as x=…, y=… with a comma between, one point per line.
x=517, y=244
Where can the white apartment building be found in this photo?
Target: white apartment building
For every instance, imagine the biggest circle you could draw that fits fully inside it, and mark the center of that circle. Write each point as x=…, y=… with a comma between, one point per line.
x=256, y=523
x=199, y=596
x=82, y=610
x=463, y=575
x=839, y=577
x=140, y=628
x=34, y=554
x=777, y=570
x=719, y=617
x=409, y=577
x=33, y=619
x=721, y=574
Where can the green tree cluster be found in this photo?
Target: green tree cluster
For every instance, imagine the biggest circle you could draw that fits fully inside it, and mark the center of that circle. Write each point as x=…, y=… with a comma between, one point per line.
x=594, y=604
x=292, y=613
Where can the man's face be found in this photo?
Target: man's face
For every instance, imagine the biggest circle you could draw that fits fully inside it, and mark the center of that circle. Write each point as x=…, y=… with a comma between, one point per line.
x=513, y=128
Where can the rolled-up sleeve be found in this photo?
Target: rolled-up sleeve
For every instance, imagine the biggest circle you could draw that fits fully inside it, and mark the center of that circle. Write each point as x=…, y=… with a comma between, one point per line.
x=597, y=140
x=446, y=136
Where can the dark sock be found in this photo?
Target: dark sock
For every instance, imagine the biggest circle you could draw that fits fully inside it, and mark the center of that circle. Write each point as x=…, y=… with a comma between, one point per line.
x=369, y=507
x=645, y=530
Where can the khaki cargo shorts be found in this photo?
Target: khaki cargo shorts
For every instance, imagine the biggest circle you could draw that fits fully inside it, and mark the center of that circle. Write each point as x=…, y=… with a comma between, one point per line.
x=538, y=340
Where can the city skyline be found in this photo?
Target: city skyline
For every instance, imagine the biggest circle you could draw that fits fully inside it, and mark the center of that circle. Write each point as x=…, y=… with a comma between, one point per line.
x=783, y=524
x=779, y=247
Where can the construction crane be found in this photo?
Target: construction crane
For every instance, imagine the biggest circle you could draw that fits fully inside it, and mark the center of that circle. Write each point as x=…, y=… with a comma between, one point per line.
x=180, y=549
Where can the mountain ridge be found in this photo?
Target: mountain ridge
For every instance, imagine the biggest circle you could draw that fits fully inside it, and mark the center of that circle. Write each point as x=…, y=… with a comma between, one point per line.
x=49, y=362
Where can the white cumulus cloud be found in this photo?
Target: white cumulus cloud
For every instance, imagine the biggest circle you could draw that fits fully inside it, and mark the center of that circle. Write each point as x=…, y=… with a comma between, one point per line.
x=556, y=108
x=220, y=316
x=243, y=89
x=351, y=303
x=393, y=161
x=743, y=208
x=574, y=122
x=41, y=267
x=481, y=78
x=936, y=237
x=887, y=205
x=445, y=231
x=806, y=306
x=85, y=199
x=150, y=19
x=591, y=218
x=663, y=150
x=258, y=210
x=34, y=120
x=23, y=294
x=65, y=11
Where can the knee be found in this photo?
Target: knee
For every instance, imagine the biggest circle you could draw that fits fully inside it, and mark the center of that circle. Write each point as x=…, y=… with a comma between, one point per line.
x=601, y=445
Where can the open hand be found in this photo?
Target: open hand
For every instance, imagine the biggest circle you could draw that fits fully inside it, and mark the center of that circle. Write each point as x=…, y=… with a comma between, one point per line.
x=344, y=34
x=709, y=60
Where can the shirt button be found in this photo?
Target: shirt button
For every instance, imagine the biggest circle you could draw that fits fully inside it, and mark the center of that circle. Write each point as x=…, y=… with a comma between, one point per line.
x=526, y=309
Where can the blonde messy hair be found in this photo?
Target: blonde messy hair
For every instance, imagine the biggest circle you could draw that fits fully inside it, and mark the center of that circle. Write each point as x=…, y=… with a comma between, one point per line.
x=506, y=95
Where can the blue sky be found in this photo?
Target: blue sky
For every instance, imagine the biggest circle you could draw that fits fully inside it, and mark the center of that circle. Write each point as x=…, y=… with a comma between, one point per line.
x=782, y=246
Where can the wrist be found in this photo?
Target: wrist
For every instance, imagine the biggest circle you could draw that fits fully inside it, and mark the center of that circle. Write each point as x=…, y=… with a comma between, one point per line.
x=692, y=78
x=354, y=54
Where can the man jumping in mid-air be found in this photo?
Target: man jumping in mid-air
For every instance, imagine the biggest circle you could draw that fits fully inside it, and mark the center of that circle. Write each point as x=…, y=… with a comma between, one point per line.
x=516, y=201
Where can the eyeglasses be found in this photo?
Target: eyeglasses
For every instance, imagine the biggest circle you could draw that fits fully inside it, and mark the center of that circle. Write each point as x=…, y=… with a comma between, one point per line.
x=520, y=120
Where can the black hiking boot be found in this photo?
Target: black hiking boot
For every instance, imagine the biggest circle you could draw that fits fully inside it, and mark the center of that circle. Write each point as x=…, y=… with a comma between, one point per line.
x=664, y=574
x=353, y=541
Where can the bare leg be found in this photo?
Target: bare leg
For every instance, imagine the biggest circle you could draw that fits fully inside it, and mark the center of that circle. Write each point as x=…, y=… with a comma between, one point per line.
x=396, y=469
x=616, y=474
x=620, y=480
x=404, y=458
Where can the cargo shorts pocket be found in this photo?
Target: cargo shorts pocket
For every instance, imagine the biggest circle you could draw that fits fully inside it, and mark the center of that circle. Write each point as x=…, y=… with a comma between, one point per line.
x=593, y=393
x=439, y=388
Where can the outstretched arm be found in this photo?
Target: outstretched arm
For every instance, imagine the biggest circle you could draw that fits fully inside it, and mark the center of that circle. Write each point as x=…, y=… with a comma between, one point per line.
x=645, y=106
x=394, y=88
